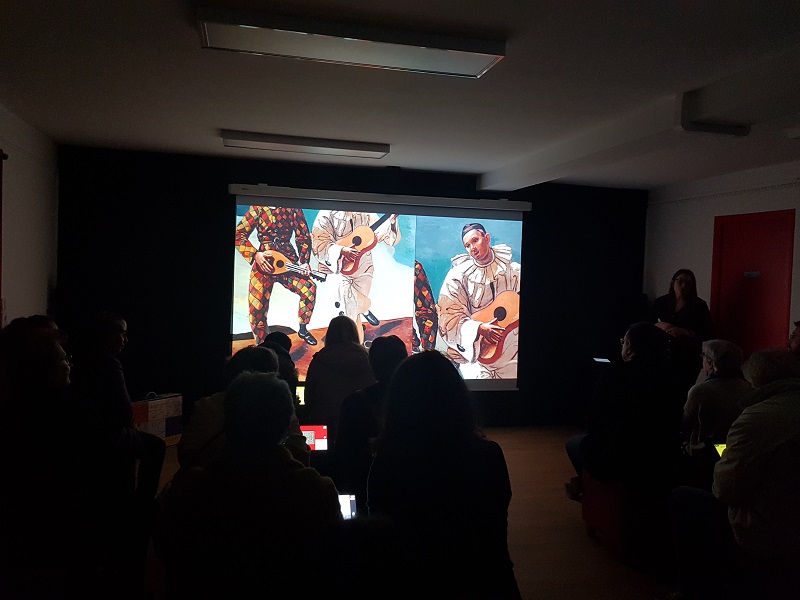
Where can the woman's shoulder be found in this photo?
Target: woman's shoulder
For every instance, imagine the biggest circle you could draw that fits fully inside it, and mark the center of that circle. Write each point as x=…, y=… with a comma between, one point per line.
x=487, y=446
x=336, y=351
x=487, y=452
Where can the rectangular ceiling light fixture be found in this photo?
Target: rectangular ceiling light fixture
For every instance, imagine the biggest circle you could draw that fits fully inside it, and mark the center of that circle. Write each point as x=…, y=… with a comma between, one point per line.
x=308, y=145
x=346, y=43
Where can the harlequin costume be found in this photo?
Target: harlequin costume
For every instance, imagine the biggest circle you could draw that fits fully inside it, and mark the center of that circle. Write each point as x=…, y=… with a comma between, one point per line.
x=274, y=227
x=424, y=311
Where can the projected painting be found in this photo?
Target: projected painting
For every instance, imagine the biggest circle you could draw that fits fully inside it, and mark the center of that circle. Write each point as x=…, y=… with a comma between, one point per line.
x=443, y=283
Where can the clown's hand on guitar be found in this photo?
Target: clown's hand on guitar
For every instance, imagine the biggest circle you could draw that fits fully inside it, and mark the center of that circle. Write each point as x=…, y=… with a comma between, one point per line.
x=264, y=262
x=350, y=254
x=490, y=332
x=304, y=269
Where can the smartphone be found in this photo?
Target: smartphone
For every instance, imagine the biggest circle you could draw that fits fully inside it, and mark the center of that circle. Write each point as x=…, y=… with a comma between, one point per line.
x=347, y=502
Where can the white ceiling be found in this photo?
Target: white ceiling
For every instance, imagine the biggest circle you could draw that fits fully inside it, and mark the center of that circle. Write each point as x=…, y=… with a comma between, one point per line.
x=587, y=92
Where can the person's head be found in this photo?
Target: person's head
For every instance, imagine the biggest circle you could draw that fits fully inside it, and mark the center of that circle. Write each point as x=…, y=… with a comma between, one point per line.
x=767, y=366
x=252, y=358
x=385, y=354
x=286, y=368
x=644, y=342
x=32, y=355
x=44, y=324
x=794, y=338
x=477, y=242
x=258, y=409
x=280, y=338
x=428, y=403
x=108, y=332
x=721, y=357
x=683, y=285
x=341, y=330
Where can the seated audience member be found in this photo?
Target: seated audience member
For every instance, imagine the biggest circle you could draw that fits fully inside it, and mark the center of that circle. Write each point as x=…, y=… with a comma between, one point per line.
x=282, y=345
x=634, y=421
x=47, y=546
x=794, y=339
x=132, y=459
x=202, y=438
x=204, y=435
x=712, y=406
x=362, y=418
x=685, y=318
x=249, y=523
x=100, y=388
x=335, y=372
x=443, y=487
x=750, y=519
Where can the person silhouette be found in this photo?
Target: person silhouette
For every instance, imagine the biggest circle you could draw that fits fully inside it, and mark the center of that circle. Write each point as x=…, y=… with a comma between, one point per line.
x=443, y=486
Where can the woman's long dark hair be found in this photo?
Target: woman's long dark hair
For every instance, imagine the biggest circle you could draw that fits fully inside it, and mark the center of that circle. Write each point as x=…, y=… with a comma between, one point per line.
x=691, y=293
x=341, y=330
x=428, y=404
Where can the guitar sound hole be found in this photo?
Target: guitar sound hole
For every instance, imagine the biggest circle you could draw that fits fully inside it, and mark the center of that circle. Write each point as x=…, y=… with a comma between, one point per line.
x=279, y=264
x=357, y=240
x=500, y=313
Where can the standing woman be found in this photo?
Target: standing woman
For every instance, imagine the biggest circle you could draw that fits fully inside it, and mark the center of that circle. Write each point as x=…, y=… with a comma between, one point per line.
x=335, y=372
x=686, y=319
x=442, y=486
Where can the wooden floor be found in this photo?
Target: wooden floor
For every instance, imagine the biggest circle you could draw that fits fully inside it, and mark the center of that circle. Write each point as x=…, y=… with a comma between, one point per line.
x=554, y=557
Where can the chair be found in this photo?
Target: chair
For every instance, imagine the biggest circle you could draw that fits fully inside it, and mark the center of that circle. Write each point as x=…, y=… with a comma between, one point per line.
x=631, y=521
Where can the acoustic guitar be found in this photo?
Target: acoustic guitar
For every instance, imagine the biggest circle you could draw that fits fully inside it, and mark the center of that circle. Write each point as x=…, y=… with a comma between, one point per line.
x=282, y=265
x=363, y=239
x=504, y=312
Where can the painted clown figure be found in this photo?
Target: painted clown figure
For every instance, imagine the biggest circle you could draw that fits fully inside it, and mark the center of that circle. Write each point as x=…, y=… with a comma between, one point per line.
x=355, y=265
x=474, y=281
x=274, y=227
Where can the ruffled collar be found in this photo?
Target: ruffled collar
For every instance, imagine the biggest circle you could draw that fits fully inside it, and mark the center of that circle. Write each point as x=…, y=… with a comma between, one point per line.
x=481, y=273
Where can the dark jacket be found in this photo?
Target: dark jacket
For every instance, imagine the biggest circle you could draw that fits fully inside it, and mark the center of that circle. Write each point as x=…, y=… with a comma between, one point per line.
x=335, y=372
x=449, y=510
x=359, y=426
x=634, y=424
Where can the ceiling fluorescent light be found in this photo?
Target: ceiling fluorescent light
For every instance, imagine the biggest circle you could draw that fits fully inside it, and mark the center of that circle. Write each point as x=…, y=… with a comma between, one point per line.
x=291, y=143
x=349, y=44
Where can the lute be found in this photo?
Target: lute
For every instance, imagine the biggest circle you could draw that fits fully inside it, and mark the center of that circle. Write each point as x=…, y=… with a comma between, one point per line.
x=282, y=264
x=363, y=239
x=504, y=312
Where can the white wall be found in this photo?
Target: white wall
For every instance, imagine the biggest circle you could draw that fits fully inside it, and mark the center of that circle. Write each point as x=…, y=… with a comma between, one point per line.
x=680, y=223
x=30, y=217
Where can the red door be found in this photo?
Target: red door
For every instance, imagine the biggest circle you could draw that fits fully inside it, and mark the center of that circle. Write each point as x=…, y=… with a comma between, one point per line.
x=751, y=278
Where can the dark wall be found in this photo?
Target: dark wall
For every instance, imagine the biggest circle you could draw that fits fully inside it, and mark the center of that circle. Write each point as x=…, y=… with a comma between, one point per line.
x=150, y=236
x=583, y=256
